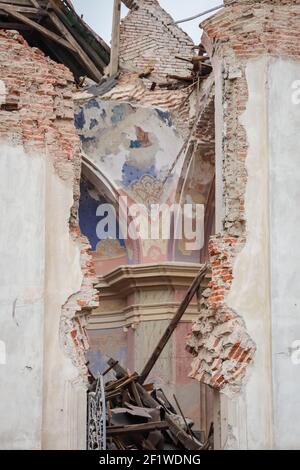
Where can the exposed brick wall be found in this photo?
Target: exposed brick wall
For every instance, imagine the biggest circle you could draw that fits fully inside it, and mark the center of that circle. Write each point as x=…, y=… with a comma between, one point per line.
x=37, y=113
x=180, y=102
x=150, y=39
x=249, y=29
x=75, y=312
x=243, y=30
x=219, y=341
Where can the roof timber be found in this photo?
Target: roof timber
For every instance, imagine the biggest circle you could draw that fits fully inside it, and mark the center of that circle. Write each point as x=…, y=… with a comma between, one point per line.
x=67, y=38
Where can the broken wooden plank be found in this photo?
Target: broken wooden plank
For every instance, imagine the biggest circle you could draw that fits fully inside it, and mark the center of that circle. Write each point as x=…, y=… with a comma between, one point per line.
x=174, y=430
x=111, y=396
x=119, y=444
x=112, y=385
x=180, y=78
x=120, y=371
x=136, y=428
x=127, y=381
x=180, y=434
x=109, y=368
x=186, y=441
x=171, y=328
x=136, y=394
x=46, y=32
x=183, y=417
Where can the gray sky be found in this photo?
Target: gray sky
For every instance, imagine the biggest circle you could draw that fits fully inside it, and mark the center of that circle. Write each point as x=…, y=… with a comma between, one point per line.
x=98, y=14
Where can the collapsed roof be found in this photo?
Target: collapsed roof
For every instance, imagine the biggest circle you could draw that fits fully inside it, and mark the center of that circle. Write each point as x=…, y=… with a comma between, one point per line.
x=55, y=28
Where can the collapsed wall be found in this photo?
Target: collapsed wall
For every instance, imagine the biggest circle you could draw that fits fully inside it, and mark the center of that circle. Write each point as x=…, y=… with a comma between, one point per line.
x=47, y=284
x=241, y=332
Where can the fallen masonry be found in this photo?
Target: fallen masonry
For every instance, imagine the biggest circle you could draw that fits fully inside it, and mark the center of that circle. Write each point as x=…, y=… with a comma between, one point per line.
x=140, y=417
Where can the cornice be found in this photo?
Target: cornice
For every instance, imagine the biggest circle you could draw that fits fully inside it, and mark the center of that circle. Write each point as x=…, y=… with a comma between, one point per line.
x=152, y=281
x=126, y=279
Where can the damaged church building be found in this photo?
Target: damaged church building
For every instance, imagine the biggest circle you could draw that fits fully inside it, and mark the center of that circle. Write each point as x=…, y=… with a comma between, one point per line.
x=149, y=342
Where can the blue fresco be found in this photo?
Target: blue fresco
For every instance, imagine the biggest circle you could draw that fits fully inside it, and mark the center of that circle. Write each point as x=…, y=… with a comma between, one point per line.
x=92, y=104
x=117, y=114
x=88, y=219
x=93, y=123
x=165, y=116
x=136, y=144
x=86, y=140
x=131, y=174
x=80, y=119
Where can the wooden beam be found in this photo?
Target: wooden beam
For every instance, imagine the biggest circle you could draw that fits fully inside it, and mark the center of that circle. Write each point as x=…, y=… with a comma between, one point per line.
x=110, y=368
x=173, y=324
x=187, y=442
x=94, y=56
x=16, y=26
x=46, y=32
x=136, y=428
x=18, y=2
x=136, y=395
x=88, y=63
x=35, y=3
x=115, y=41
x=21, y=9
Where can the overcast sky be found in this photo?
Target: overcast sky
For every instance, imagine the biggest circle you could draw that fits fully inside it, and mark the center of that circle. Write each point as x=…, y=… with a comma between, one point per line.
x=98, y=14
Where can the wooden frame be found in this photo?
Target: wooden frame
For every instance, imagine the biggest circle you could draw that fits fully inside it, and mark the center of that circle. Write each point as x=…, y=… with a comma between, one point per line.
x=57, y=23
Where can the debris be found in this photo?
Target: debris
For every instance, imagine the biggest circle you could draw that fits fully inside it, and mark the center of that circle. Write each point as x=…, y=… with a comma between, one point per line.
x=138, y=416
x=190, y=78
x=147, y=73
x=140, y=420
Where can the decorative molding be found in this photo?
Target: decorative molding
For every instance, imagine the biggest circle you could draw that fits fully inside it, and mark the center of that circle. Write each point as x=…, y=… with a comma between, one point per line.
x=149, y=292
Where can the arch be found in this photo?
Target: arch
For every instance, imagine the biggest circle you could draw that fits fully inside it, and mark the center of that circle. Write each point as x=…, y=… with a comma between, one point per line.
x=110, y=194
x=196, y=183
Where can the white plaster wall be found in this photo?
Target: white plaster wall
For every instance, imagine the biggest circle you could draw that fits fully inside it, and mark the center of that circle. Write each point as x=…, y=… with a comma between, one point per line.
x=22, y=272
x=250, y=414
x=265, y=291
x=64, y=422
x=284, y=161
x=42, y=402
